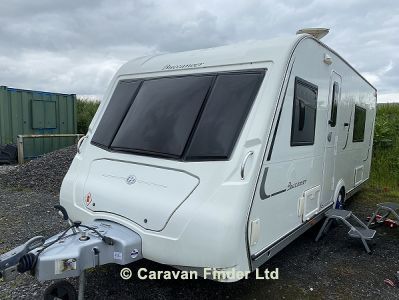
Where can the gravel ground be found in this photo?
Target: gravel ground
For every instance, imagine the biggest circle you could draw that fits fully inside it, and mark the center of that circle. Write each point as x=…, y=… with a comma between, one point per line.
x=4, y=169
x=44, y=174
x=334, y=268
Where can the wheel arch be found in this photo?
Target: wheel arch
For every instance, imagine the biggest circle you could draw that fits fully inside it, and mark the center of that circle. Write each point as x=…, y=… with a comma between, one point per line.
x=340, y=186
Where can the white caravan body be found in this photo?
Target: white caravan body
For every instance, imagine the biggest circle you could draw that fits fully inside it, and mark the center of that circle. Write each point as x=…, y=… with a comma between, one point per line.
x=220, y=157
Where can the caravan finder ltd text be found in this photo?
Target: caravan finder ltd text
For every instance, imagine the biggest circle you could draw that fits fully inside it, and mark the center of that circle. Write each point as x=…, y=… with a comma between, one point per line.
x=207, y=273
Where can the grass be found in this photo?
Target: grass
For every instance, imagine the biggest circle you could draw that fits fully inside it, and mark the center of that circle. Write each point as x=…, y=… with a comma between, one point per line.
x=384, y=175
x=86, y=111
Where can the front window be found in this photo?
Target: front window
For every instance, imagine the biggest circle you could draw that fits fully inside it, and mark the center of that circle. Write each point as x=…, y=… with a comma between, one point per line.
x=192, y=117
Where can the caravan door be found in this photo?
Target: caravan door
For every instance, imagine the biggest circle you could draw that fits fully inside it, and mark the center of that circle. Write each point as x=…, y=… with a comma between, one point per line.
x=330, y=152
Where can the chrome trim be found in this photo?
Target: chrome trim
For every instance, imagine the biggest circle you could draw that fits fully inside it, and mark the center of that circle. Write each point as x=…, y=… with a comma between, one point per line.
x=80, y=143
x=244, y=162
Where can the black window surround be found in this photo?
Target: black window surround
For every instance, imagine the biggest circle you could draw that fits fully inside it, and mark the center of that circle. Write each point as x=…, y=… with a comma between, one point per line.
x=119, y=103
x=334, y=105
x=359, y=124
x=208, y=121
x=224, y=114
x=304, y=113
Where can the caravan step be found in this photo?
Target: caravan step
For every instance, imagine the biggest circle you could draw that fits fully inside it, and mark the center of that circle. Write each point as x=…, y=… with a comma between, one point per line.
x=390, y=205
x=338, y=213
x=359, y=232
x=386, y=209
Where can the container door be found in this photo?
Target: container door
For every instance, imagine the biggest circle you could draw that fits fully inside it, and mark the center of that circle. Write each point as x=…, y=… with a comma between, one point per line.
x=331, y=140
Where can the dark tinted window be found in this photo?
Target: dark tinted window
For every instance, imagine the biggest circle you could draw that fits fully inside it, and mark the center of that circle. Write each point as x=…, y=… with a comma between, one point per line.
x=224, y=115
x=115, y=112
x=162, y=115
x=359, y=124
x=334, y=105
x=304, y=113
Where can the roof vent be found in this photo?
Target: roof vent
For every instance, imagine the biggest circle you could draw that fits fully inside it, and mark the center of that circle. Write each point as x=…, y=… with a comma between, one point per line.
x=317, y=33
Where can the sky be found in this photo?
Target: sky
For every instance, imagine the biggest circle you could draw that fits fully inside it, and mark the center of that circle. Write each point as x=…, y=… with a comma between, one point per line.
x=77, y=46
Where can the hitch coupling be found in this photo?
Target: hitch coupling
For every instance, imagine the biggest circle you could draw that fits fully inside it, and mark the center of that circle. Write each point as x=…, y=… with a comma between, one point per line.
x=69, y=253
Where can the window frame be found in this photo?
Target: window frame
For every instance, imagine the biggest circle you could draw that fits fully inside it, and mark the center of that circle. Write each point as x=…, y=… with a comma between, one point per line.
x=188, y=133
x=123, y=81
x=235, y=137
x=184, y=157
x=364, y=125
x=334, y=105
x=315, y=88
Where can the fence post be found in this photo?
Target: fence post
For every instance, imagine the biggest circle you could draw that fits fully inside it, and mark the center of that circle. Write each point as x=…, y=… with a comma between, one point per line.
x=20, y=147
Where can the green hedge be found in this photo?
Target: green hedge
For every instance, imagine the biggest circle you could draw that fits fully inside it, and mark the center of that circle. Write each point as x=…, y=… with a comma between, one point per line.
x=86, y=111
x=385, y=162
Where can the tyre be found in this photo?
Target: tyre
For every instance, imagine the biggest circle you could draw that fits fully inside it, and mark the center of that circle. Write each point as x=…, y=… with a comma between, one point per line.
x=340, y=201
x=60, y=290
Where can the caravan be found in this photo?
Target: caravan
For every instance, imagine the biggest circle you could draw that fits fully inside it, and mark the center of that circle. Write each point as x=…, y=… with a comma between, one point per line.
x=218, y=158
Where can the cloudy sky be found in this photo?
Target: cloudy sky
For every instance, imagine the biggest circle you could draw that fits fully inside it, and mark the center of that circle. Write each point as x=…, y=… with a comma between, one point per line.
x=76, y=46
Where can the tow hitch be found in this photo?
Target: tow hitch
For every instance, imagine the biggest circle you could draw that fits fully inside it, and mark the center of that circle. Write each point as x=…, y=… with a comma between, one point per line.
x=71, y=252
x=19, y=260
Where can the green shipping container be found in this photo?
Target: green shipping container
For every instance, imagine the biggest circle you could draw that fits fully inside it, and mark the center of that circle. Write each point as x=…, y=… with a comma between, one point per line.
x=35, y=112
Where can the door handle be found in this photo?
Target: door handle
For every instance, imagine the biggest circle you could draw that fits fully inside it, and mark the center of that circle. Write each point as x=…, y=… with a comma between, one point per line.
x=346, y=124
x=80, y=142
x=244, y=162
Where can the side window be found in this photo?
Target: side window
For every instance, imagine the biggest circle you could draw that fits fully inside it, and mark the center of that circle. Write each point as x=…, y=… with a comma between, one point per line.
x=334, y=105
x=303, y=113
x=359, y=124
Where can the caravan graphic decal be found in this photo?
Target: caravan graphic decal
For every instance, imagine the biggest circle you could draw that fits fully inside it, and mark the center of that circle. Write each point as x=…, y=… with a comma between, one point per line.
x=183, y=66
x=131, y=179
x=290, y=186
